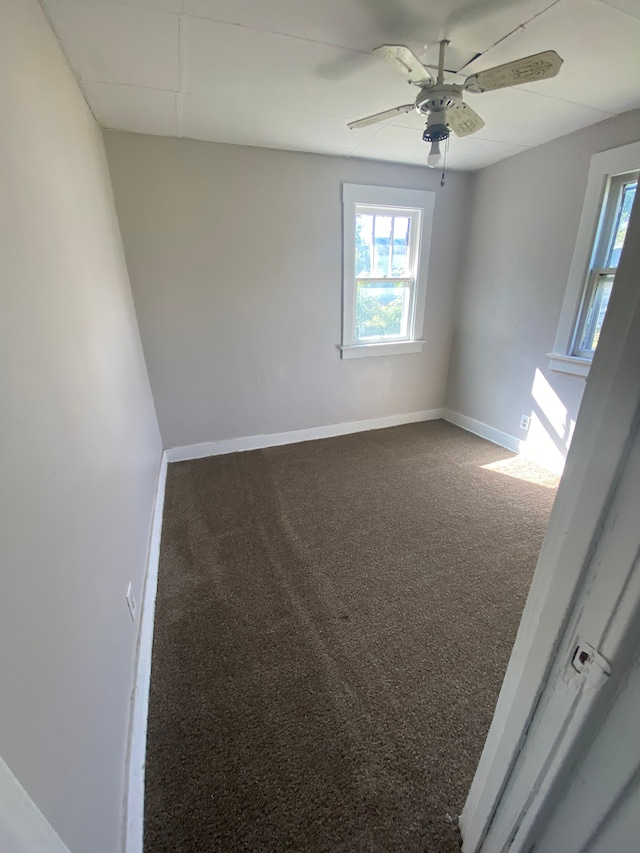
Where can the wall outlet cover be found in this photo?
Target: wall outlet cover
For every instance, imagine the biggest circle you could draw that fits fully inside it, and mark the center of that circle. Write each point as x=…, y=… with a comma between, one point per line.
x=525, y=420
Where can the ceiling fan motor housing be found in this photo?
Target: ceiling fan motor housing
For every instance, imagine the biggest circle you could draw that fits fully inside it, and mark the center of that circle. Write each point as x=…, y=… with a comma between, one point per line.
x=438, y=99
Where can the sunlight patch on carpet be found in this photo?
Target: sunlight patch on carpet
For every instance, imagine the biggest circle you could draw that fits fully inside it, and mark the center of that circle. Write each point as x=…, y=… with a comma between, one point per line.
x=522, y=469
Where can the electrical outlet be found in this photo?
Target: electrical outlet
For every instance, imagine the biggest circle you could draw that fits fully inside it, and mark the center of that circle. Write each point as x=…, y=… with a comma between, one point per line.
x=131, y=603
x=525, y=420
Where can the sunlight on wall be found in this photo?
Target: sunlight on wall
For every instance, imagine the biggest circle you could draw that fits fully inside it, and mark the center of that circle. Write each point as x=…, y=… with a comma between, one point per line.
x=551, y=429
x=553, y=409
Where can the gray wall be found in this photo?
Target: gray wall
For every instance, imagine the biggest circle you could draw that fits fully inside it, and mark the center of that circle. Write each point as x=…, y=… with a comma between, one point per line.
x=235, y=258
x=523, y=224
x=80, y=448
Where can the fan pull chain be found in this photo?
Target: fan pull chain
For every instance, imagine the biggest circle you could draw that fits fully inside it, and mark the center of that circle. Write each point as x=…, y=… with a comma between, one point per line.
x=444, y=162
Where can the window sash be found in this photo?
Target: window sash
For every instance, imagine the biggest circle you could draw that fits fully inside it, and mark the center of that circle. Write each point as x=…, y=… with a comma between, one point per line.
x=609, y=218
x=619, y=210
x=407, y=311
x=595, y=284
x=414, y=216
x=383, y=278
x=595, y=292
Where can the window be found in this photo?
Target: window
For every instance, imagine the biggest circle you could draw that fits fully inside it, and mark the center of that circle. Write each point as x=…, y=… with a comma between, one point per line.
x=606, y=254
x=611, y=189
x=386, y=251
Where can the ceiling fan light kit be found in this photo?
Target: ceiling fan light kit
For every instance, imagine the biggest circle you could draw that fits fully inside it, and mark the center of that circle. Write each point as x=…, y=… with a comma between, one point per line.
x=442, y=102
x=437, y=131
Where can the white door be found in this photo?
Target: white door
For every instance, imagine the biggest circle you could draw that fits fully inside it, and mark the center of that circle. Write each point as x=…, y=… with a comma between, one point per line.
x=572, y=677
x=584, y=820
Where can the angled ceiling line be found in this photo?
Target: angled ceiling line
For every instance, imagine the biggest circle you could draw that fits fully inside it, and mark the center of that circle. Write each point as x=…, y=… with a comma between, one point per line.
x=521, y=26
x=124, y=5
x=183, y=69
x=75, y=70
x=84, y=79
x=177, y=104
x=618, y=9
x=354, y=151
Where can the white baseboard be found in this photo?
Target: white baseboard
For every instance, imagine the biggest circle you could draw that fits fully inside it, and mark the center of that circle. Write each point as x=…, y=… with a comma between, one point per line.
x=134, y=806
x=537, y=454
x=483, y=430
x=256, y=442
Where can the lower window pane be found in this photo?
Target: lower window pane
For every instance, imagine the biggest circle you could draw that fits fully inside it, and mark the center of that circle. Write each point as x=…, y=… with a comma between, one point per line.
x=596, y=313
x=382, y=310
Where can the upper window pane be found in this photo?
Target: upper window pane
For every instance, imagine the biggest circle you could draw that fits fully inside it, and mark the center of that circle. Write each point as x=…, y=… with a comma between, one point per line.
x=382, y=226
x=400, y=257
x=364, y=243
x=619, y=231
x=383, y=247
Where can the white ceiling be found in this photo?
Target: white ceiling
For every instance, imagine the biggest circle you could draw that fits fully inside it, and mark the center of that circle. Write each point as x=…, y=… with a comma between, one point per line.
x=291, y=73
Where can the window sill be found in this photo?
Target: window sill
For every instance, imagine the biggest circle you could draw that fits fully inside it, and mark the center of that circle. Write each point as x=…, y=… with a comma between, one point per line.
x=569, y=364
x=368, y=350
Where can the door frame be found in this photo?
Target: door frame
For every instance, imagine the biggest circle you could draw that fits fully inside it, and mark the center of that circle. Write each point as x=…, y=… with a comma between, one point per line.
x=605, y=431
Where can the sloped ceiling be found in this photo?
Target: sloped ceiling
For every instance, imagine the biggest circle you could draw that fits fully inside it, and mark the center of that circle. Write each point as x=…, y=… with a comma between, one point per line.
x=291, y=73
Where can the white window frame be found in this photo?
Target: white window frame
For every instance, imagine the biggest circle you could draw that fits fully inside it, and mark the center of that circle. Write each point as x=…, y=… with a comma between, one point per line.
x=420, y=204
x=604, y=170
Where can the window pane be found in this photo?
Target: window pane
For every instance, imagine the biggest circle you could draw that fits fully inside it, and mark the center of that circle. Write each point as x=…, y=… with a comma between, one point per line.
x=596, y=313
x=382, y=241
x=620, y=223
x=400, y=245
x=364, y=243
x=382, y=310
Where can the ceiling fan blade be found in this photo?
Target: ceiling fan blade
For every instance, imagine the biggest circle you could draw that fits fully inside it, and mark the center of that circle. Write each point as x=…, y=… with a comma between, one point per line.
x=464, y=121
x=540, y=66
x=405, y=62
x=365, y=122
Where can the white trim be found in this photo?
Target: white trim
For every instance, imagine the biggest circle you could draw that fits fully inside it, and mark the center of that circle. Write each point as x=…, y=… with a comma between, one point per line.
x=23, y=827
x=256, y=442
x=420, y=200
x=562, y=363
x=391, y=348
x=388, y=196
x=603, y=165
x=483, y=430
x=134, y=805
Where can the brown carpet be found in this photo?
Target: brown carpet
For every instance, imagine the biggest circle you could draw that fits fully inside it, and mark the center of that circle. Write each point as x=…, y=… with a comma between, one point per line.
x=333, y=624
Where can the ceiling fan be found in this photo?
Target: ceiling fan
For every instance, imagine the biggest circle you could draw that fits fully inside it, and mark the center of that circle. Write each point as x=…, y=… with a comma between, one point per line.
x=442, y=103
